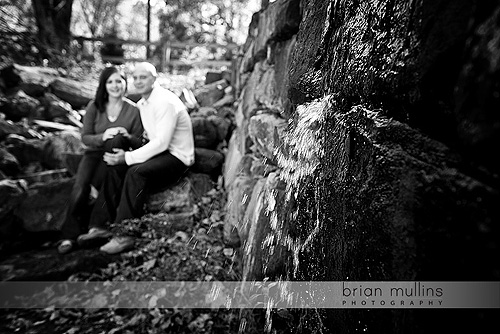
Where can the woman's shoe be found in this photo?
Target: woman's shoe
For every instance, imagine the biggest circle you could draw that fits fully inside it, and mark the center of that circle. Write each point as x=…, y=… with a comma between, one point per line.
x=65, y=246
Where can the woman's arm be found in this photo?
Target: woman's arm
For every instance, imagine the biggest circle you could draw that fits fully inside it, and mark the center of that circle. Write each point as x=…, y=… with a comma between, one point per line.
x=89, y=135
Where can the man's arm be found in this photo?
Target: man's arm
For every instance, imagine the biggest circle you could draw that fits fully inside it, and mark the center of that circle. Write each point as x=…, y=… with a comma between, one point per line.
x=165, y=122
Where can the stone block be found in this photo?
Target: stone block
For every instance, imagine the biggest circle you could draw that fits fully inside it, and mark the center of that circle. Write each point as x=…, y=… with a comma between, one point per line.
x=207, y=161
x=239, y=194
x=43, y=206
x=181, y=196
x=266, y=132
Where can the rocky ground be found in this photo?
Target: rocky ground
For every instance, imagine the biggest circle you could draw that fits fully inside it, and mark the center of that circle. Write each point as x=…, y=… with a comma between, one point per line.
x=167, y=249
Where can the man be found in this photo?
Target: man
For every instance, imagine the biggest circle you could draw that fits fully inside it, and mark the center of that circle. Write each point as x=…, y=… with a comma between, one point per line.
x=132, y=175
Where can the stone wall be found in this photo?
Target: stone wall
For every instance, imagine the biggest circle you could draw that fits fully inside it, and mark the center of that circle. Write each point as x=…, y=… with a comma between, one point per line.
x=365, y=149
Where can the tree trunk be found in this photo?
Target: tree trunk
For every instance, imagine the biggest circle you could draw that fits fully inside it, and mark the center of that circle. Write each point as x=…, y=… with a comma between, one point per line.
x=53, y=19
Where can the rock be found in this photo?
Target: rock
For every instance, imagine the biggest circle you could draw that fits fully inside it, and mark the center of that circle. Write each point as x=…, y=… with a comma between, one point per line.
x=76, y=93
x=205, y=133
x=10, y=78
x=222, y=126
x=48, y=265
x=266, y=131
x=8, y=163
x=213, y=76
x=210, y=131
x=12, y=192
x=25, y=150
x=263, y=229
x=280, y=21
x=476, y=95
x=236, y=150
x=228, y=99
x=55, y=107
x=188, y=98
x=54, y=126
x=31, y=79
x=8, y=127
x=204, y=112
x=207, y=95
x=58, y=146
x=208, y=162
x=46, y=176
x=238, y=198
x=262, y=168
x=20, y=105
x=43, y=206
x=181, y=196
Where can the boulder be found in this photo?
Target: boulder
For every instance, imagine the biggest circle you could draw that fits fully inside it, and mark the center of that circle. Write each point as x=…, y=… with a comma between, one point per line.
x=280, y=21
x=208, y=162
x=43, y=206
x=58, y=146
x=227, y=99
x=262, y=230
x=205, y=133
x=207, y=95
x=12, y=192
x=239, y=194
x=9, y=165
x=25, y=150
x=204, y=112
x=235, y=152
x=76, y=93
x=8, y=127
x=33, y=80
x=188, y=98
x=213, y=76
x=54, y=107
x=20, y=105
x=266, y=131
x=181, y=196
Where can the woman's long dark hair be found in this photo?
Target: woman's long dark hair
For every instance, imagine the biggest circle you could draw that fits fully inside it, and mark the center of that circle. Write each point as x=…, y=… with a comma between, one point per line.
x=101, y=95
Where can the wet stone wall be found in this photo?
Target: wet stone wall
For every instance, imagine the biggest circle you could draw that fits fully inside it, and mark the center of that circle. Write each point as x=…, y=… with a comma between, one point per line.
x=366, y=149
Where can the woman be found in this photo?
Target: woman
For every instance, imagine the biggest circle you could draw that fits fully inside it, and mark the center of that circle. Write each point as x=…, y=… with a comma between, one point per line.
x=111, y=121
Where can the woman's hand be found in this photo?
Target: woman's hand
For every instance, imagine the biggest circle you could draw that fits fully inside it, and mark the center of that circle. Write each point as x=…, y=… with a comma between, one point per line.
x=111, y=132
x=123, y=132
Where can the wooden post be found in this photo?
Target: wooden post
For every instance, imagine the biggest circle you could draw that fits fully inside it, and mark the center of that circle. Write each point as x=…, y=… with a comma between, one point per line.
x=148, y=37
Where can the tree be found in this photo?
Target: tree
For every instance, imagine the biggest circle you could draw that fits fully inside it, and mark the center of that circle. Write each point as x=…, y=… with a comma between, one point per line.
x=203, y=21
x=53, y=19
x=99, y=16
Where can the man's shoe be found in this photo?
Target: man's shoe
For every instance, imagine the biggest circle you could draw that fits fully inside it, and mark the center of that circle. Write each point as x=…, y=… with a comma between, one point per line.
x=94, y=238
x=65, y=246
x=118, y=245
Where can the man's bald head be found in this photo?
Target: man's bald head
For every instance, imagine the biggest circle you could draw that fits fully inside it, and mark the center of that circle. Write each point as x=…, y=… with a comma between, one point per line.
x=144, y=75
x=148, y=67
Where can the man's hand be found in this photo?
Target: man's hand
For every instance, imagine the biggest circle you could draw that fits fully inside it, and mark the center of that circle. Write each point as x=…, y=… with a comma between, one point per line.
x=116, y=158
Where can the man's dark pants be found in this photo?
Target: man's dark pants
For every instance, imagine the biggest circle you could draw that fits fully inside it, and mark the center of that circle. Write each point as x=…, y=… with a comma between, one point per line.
x=125, y=188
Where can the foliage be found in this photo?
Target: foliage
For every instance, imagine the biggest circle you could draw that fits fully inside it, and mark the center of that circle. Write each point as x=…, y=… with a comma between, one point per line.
x=203, y=21
x=98, y=17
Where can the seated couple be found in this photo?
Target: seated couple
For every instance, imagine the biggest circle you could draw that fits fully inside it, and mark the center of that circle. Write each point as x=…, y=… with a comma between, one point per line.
x=132, y=151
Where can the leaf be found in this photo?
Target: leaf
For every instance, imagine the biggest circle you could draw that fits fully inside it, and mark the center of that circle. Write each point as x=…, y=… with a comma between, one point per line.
x=153, y=301
x=148, y=265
